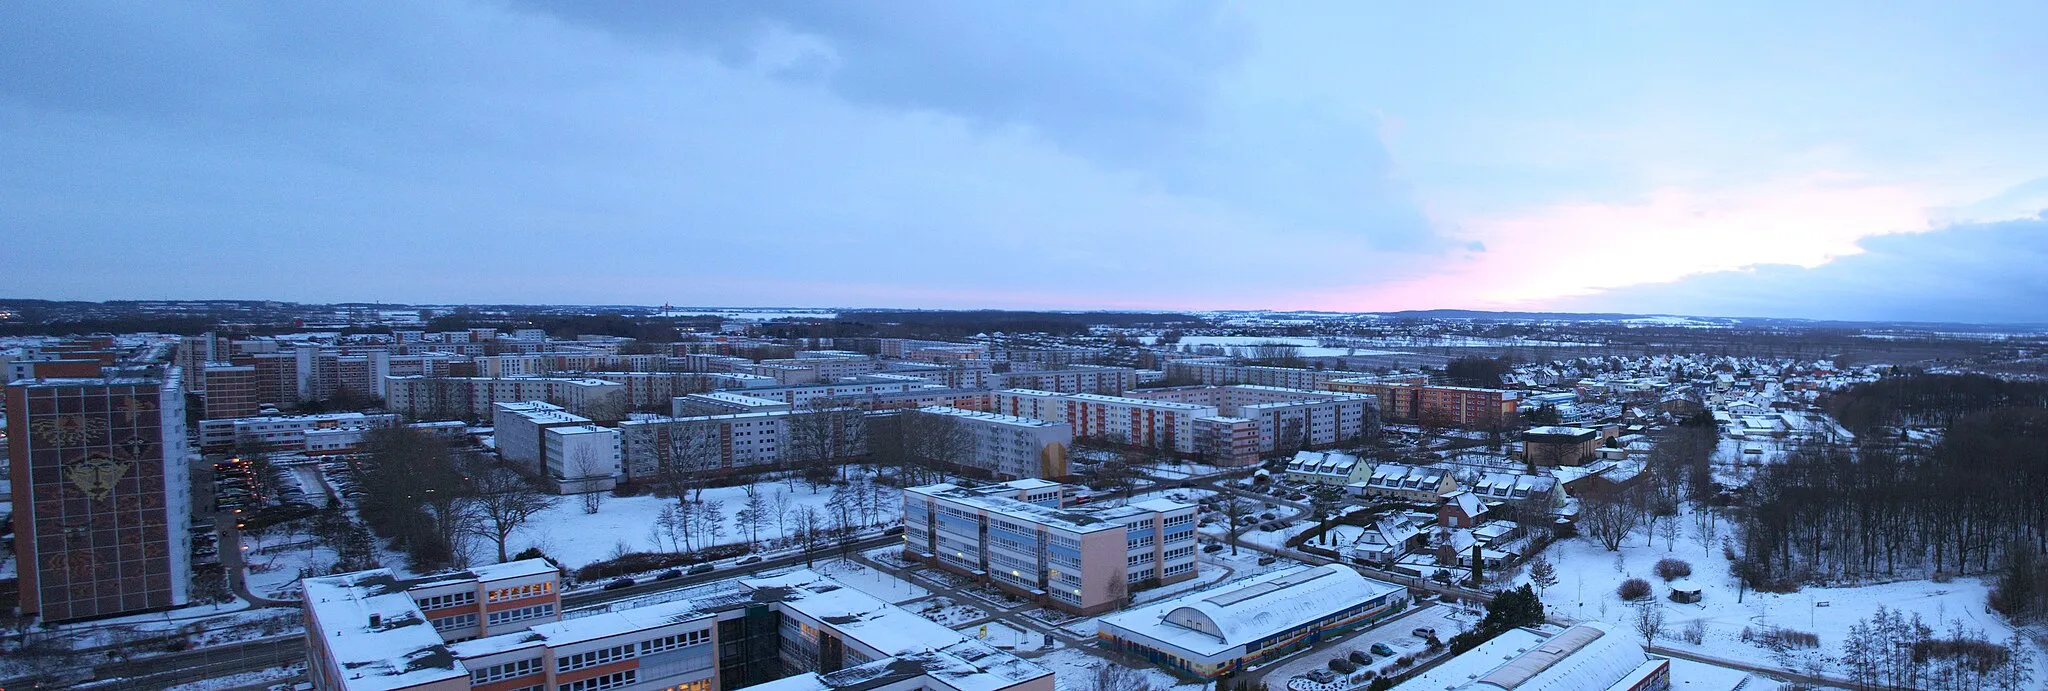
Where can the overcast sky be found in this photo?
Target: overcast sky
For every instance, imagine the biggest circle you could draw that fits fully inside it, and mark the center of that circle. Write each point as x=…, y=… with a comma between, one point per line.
x=1742, y=159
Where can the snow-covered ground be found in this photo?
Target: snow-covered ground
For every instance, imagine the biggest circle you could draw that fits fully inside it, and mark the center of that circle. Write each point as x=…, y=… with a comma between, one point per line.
x=630, y=524
x=947, y=612
x=1073, y=670
x=1006, y=636
x=882, y=586
x=1588, y=576
x=1242, y=346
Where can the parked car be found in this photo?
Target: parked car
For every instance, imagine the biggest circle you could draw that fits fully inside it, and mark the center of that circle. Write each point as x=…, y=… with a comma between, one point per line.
x=619, y=584
x=1424, y=632
x=1212, y=549
x=893, y=530
x=1382, y=649
x=702, y=568
x=670, y=574
x=749, y=559
x=1268, y=560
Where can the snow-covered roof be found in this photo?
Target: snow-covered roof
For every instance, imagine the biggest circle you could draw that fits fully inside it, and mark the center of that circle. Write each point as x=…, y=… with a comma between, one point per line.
x=376, y=636
x=1218, y=620
x=914, y=646
x=1590, y=655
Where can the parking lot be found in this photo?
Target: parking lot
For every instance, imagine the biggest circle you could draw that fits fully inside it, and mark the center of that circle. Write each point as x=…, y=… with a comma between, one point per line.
x=1397, y=634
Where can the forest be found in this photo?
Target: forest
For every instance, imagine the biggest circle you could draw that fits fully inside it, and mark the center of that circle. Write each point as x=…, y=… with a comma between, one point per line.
x=1967, y=500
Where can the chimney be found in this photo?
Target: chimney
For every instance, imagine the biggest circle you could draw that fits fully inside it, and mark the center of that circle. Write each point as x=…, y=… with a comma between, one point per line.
x=376, y=620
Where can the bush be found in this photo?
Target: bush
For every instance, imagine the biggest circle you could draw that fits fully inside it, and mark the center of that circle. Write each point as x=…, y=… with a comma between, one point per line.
x=1781, y=639
x=1671, y=569
x=1633, y=589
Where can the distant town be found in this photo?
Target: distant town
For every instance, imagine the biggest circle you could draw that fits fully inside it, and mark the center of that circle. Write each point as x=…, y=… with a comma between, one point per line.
x=375, y=497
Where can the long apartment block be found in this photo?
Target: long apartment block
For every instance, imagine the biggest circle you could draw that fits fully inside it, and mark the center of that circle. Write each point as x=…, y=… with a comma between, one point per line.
x=1021, y=538
x=500, y=628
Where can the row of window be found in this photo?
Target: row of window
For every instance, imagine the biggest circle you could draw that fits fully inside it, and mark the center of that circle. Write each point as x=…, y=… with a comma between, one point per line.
x=522, y=591
x=681, y=640
x=1140, y=541
x=1182, y=519
x=428, y=604
x=459, y=621
x=599, y=683
x=495, y=673
x=1177, y=569
x=593, y=658
x=1181, y=535
x=512, y=615
x=1180, y=552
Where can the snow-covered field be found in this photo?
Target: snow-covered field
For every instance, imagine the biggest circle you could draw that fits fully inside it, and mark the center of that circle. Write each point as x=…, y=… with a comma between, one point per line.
x=1073, y=670
x=1588, y=576
x=946, y=612
x=882, y=586
x=1241, y=346
x=631, y=524
x=1006, y=636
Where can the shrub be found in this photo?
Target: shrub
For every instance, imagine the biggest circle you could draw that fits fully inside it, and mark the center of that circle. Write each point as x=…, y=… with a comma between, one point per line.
x=1695, y=631
x=1781, y=639
x=1671, y=569
x=1633, y=589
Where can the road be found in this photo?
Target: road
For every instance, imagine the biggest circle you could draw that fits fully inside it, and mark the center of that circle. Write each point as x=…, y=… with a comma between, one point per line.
x=589, y=598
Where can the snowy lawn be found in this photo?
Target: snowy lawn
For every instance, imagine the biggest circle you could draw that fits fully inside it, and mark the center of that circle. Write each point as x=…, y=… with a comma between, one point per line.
x=631, y=524
x=882, y=586
x=1588, y=576
x=1006, y=636
x=946, y=612
x=1072, y=670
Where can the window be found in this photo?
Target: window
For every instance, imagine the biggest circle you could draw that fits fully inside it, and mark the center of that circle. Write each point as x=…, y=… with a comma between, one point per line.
x=1180, y=536
x=1141, y=541
x=1180, y=552
x=1184, y=519
x=597, y=657
x=1136, y=559
x=459, y=621
x=494, y=673
x=428, y=604
x=512, y=615
x=608, y=681
x=681, y=640
x=1177, y=569
x=522, y=591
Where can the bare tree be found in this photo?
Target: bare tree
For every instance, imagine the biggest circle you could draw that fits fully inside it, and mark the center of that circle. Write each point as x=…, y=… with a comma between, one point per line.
x=1609, y=518
x=808, y=525
x=939, y=442
x=694, y=450
x=753, y=514
x=1649, y=620
x=820, y=435
x=503, y=502
x=782, y=514
x=1110, y=676
x=1542, y=573
x=585, y=466
x=1237, y=516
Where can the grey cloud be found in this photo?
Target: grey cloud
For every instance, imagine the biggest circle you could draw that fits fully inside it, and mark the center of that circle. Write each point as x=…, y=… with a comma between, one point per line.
x=1982, y=273
x=1130, y=85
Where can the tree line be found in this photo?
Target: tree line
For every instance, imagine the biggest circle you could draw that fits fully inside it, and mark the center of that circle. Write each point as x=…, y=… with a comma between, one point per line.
x=1879, y=508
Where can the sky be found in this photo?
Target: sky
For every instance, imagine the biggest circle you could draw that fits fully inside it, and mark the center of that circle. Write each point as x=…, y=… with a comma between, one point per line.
x=1822, y=160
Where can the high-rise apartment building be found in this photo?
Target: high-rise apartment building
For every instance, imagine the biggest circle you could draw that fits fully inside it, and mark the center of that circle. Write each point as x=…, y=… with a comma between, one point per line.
x=102, y=494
